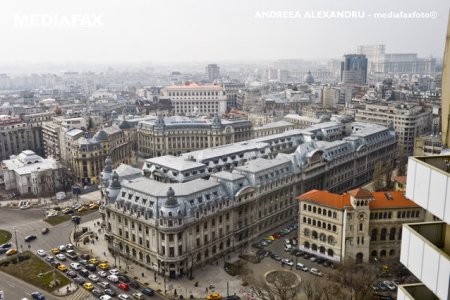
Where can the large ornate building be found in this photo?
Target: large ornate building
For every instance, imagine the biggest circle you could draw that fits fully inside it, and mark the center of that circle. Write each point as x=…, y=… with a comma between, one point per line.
x=87, y=154
x=193, y=99
x=354, y=226
x=17, y=135
x=188, y=210
x=177, y=135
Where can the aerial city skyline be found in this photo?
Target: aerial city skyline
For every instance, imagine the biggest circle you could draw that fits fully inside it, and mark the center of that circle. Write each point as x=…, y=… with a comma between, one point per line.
x=257, y=150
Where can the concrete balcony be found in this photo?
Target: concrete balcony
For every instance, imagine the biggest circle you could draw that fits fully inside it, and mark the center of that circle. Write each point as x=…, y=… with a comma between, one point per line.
x=415, y=292
x=428, y=184
x=425, y=252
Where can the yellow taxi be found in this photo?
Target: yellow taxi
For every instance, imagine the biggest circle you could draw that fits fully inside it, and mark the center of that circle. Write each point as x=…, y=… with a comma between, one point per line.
x=11, y=251
x=83, y=208
x=93, y=206
x=62, y=268
x=103, y=266
x=55, y=251
x=89, y=286
x=93, y=261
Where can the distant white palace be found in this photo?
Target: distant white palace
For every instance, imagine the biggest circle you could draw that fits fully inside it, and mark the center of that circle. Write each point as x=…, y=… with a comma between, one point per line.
x=192, y=99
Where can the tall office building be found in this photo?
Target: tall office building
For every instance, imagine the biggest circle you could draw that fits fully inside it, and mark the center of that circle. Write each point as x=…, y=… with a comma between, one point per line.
x=213, y=72
x=374, y=54
x=354, y=69
x=445, y=99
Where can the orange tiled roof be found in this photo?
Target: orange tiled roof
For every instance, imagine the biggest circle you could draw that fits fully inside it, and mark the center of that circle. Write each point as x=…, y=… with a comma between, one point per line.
x=400, y=179
x=360, y=193
x=326, y=198
x=397, y=199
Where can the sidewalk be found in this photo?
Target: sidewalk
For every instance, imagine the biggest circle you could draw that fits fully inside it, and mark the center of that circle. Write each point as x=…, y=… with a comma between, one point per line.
x=205, y=276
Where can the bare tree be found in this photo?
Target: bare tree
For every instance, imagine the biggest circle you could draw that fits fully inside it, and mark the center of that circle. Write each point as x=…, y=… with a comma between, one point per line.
x=378, y=179
x=402, y=160
x=388, y=170
x=282, y=286
x=356, y=278
x=312, y=289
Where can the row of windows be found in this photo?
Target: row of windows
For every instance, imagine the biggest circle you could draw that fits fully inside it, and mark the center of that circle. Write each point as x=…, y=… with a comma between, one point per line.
x=383, y=234
x=320, y=224
x=320, y=211
x=191, y=93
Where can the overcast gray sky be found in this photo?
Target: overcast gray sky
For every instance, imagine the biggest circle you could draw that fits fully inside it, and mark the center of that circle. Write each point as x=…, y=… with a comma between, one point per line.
x=209, y=30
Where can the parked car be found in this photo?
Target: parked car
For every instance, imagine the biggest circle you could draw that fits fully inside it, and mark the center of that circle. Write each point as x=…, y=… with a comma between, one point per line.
x=288, y=248
x=134, y=284
x=94, y=278
x=148, y=292
x=79, y=280
x=382, y=286
x=102, y=274
x=45, y=230
x=114, y=272
x=123, y=286
x=41, y=253
x=91, y=267
x=72, y=254
x=113, y=278
x=124, y=278
x=62, y=268
x=60, y=256
x=49, y=258
x=390, y=285
x=287, y=261
x=105, y=297
x=6, y=245
x=11, y=251
x=103, y=266
x=89, y=286
x=124, y=297
x=316, y=272
x=30, y=238
x=62, y=248
x=85, y=256
x=302, y=267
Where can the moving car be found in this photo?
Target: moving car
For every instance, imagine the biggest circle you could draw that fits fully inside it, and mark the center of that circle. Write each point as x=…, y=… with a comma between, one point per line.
x=62, y=268
x=37, y=295
x=60, y=256
x=138, y=295
x=45, y=230
x=30, y=238
x=6, y=245
x=89, y=286
x=123, y=286
x=94, y=278
x=148, y=292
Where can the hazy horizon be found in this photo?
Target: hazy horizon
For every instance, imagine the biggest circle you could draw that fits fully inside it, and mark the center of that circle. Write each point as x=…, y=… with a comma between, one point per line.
x=198, y=31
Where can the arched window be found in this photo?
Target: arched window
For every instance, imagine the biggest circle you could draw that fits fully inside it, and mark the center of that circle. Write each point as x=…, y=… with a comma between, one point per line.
x=147, y=259
x=360, y=226
x=221, y=246
x=323, y=237
x=373, y=235
x=400, y=233
x=330, y=240
x=314, y=209
x=324, y=212
x=306, y=232
x=334, y=228
x=304, y=219
x=319, y=211
x=306, y=244
x=314, y=234
x=319, y=224
x=391, y=252
x=141, y=256
x=309, y=221
x=228, y=243
x=199, y=256
x=383, y=234
x=322, y=249
x=314, y=222
x=334, y=215
x=214, y=249
x=314, y=247
x=374, y=253
x=304, y=206
x=309, y=207
x=392, y=234
x=329, y=226
x=330, y=252
x=382, y=253
x=324, y=225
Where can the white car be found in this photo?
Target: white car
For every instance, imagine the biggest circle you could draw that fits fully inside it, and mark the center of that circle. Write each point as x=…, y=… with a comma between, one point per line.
x=287, y=261
x=60, y=256
x=316, y=272
x=75, y=266
x=138, y=295
x=41, y=253
x=102, y=274
x=70, y=247
x=62, y=248
x=60, y=196
x=114, y=272
x=302, y=267
x=52, y=213
x=93, y=277
x=113, y=278
x=105, y=297
x=104, y=284
x=124, y=296
x=288, y=248
x=25, y=206
x=287, y=241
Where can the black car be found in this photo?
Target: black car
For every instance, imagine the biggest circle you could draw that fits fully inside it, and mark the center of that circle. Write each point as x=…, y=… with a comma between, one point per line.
x=55, y=263
x=69, y=212
x=91, y=267
x=3, y=250
x=134, y=284
x=382, y=286
x=110, y=292
x=79, y=280
x=84, y=272
x=97, y=293
x=124, y=278
x=30, y=238
x=148, y=292
x=6, y=246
